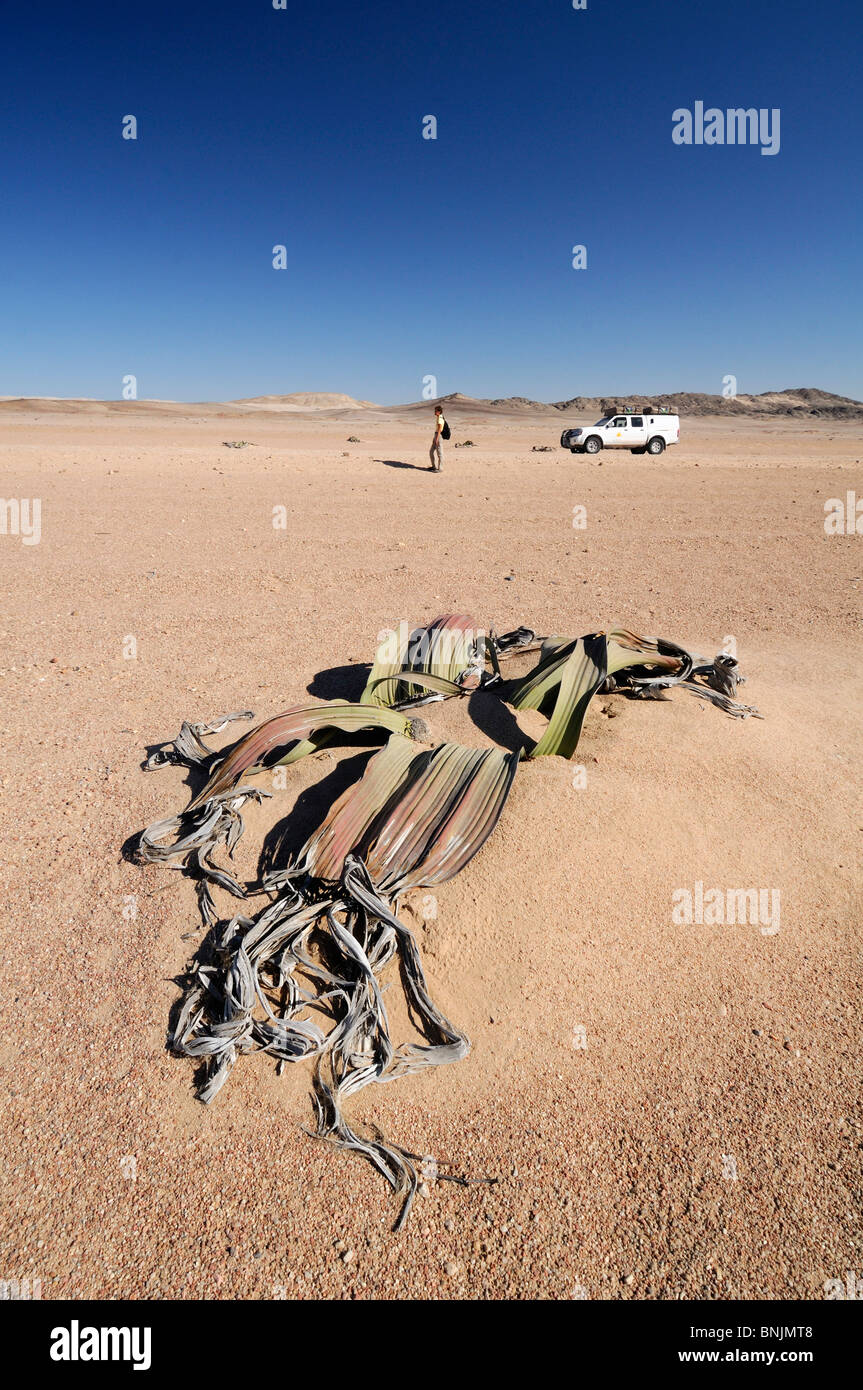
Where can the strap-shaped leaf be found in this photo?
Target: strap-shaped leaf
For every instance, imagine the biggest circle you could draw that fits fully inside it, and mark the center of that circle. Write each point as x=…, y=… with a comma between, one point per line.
x=541, y=683
x=570, y=672
x=438, y=685
x=298, y=726
x=481, y=785
x=323, y=855
x=626, y=649
x=445, y=650
x=414, y=818
x=582, y=674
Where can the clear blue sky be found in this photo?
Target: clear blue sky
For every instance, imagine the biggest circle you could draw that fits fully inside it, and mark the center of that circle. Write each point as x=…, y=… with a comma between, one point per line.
x=406, y=256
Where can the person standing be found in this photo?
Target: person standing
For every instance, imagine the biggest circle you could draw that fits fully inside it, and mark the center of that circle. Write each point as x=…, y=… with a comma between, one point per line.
x=435, y=450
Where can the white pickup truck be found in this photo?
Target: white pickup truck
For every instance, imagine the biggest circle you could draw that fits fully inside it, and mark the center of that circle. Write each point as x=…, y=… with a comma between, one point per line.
x=642, y=434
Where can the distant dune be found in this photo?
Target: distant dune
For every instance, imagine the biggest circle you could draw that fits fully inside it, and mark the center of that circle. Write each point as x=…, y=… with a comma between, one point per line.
x=803, y=402
x=71, y=405
x=306, y=400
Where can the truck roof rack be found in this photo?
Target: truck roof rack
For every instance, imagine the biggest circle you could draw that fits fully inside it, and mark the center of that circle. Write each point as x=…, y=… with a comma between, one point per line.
x=640, y=410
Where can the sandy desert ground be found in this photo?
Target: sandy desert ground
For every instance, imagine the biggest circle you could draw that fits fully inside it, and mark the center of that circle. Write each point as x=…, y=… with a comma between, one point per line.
x=705, y=1141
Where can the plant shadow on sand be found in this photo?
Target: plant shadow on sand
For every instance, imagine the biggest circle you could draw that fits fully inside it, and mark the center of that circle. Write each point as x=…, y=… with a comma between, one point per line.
x=340, y=682
x=309, y=810
x=495, y=719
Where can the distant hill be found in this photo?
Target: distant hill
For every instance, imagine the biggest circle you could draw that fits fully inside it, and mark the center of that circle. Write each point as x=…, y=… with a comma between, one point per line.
x=804, y=402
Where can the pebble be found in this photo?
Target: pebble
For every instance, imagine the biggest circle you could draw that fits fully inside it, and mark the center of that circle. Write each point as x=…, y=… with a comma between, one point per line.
x=452, y=1267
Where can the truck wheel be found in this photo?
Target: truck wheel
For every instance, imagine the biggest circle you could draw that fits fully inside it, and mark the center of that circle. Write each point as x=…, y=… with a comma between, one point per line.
x=593, y=444
x=656, y=444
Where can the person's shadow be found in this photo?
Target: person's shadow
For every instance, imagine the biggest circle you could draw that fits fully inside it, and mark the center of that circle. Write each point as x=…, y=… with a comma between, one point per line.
x=398, y=463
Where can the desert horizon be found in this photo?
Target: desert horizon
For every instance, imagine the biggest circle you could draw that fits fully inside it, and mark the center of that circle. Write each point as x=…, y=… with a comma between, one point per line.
x=795, y=402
